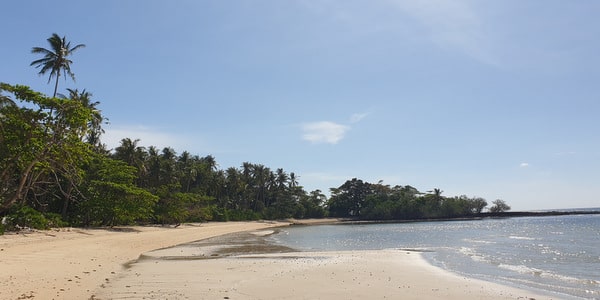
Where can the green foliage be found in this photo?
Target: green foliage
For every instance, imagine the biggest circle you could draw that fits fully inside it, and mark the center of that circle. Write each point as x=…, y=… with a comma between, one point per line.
x=172, y=208
x=41, y=147
x=364, y=200
x=56, y=58
x=242, y=215
x=44, y=153
x=120, y=203
x=219, y=214
x=175, y=208
x=312, y=205
x=348, y=199
x=111, y=197
x=55, y=220
x=27, y=217
x=51, y=155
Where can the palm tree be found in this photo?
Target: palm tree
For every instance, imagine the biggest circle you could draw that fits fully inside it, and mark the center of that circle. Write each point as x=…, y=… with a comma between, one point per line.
x=210, y=162
x=132, y=154
x=56, y=59
x=293, y=180
x=95, y=124
x=153, y=163
x=281, y=179
x=189, y=167
x=168, y=161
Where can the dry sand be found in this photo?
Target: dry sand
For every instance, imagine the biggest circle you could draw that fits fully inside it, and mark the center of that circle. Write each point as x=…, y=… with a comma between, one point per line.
x=74, y=263
x=99, y=264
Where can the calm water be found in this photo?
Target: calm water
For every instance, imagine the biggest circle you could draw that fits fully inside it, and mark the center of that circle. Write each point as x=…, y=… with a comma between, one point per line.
x=557, y=254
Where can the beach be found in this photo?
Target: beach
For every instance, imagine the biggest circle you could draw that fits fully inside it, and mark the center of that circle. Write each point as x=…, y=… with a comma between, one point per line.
x=72, y=263
x=140, y=263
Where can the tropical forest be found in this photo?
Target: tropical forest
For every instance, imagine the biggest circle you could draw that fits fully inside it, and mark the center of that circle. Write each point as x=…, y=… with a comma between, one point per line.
x=55, y=171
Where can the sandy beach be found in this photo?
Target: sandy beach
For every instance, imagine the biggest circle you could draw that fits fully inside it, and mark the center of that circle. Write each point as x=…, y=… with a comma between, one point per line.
x=74, y=263
x=139, y=263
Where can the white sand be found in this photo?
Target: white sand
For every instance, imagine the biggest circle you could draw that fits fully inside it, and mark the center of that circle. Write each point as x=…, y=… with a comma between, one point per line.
x=72, y=264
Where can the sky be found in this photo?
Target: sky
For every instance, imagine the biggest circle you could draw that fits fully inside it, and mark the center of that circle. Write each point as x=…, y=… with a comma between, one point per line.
x=494, y=99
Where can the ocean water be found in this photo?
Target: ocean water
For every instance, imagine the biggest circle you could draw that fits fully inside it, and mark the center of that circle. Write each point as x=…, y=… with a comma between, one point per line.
x=558, y=255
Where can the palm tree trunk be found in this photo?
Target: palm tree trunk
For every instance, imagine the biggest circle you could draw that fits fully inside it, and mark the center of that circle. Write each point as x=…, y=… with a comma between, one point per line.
x=56, y=84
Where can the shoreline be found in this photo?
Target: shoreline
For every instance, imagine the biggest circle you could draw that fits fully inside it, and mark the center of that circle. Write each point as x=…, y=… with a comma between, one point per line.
x=245, y=265
x=219, y=260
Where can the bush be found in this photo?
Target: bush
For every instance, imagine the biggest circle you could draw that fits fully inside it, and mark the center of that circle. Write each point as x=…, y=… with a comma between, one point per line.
x=219, y=214
x=55, y=220
x=26, y=216
x=243, y=215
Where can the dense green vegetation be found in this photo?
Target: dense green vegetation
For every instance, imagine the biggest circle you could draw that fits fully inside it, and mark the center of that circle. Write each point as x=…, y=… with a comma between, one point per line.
x=55, y=171
x=363, y=200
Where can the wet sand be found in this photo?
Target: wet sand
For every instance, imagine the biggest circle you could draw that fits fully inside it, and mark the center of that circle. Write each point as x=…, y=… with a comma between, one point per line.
x=247, y=266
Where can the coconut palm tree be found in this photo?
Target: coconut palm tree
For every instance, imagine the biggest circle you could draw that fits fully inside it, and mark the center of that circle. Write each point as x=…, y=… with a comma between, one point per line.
x=281, y=179
x=293, y=180
x=131, y=153
x=55, y=59
x=95, y=124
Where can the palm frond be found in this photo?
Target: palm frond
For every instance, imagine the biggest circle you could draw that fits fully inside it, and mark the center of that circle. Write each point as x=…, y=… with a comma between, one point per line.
x=77, y=47
x=41, y=50
x=55, y=60
x=39, y=62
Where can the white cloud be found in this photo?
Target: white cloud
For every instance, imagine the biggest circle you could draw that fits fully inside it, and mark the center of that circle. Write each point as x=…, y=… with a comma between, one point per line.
x=324, y=132
x=524, y=165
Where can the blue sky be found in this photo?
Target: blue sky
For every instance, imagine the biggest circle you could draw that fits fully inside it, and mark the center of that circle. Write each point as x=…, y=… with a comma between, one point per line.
x=497, y=99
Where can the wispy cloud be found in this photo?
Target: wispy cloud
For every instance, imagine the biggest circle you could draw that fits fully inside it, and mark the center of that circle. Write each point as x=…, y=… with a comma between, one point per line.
x=524, y=165
x=324, y=132
x=453, y=25
x=355, y=118
x=328, y=132
x=567, y=153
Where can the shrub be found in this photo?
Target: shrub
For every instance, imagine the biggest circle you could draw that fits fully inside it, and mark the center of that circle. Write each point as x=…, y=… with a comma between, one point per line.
x=55, y=220
x=26, y=216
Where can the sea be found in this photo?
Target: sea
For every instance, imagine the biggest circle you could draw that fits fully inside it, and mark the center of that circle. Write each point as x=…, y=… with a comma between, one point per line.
x=553, y=255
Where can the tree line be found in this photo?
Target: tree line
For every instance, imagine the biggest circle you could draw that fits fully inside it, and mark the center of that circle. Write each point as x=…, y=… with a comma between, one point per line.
x=368, y=201
x=55, y=170
x=52, y=162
